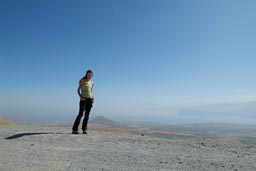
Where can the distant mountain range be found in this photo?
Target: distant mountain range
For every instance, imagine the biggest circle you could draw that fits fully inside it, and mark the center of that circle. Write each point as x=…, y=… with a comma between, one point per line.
x=248, y=109
x=223, y=112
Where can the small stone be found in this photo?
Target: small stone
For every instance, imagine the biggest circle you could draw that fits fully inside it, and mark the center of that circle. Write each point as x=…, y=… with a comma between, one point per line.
x=203, y=144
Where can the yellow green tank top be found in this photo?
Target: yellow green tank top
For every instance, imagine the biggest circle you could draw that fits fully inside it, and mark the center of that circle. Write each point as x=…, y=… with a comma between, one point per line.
x=86, y=89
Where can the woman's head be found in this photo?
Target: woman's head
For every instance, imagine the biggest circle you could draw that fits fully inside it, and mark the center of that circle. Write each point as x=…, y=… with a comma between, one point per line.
x=88, y=75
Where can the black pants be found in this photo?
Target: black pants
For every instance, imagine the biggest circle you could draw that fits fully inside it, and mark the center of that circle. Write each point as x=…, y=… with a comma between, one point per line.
x=84, y=105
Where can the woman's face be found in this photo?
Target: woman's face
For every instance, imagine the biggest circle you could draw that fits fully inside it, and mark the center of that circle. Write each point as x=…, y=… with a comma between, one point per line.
x=89, y=75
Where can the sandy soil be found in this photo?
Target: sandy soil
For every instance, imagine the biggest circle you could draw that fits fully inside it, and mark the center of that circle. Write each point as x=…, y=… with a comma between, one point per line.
x=25, y=147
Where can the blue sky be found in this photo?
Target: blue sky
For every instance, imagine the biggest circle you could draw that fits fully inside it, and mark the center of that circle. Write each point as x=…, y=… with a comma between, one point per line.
x=150, y=58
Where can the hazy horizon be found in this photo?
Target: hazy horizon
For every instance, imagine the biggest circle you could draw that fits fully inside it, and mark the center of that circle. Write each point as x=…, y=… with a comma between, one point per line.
x=174, y=61
x=236, y=113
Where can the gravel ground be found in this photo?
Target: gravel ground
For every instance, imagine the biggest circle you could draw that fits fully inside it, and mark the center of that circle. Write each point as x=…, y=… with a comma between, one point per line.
x=25, y=147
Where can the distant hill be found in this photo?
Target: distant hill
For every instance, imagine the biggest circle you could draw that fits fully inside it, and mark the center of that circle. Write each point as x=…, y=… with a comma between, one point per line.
x=101, y=120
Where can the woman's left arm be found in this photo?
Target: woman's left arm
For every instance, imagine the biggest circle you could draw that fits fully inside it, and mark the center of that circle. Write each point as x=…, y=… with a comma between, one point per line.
x=92, y=95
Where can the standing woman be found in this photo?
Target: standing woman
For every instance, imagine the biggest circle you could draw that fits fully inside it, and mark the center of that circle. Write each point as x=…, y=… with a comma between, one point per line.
x=86, y=100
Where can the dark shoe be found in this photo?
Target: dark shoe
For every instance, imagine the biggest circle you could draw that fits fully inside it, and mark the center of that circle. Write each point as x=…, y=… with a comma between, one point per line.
x=84, y=132
x=75, y=132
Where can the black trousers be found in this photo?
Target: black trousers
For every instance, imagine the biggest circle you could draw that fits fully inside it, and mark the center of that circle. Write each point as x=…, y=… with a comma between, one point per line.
x=84, y=106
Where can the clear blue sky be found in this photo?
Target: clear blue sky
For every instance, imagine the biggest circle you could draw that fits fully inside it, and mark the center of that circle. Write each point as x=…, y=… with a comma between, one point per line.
x=149, y=57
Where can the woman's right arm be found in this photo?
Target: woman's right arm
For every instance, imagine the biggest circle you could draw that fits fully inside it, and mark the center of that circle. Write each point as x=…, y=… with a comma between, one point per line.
x=79, y=90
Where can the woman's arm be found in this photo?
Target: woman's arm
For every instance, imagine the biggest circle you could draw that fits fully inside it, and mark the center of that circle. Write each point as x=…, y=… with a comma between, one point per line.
x=79, y=90
x=92, y=95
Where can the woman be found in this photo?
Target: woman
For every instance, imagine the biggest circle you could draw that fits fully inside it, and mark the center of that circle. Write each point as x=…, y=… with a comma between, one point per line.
x=86, y=100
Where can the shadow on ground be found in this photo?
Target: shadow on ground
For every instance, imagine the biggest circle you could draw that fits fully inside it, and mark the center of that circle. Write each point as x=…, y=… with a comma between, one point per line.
x=29, y=134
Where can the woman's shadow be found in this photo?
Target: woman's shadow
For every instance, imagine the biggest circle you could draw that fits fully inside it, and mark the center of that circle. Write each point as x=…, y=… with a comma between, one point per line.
x=29, y=134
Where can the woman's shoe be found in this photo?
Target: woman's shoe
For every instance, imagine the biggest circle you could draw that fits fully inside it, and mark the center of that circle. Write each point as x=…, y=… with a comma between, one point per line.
x=75, y=132
x=84, y=132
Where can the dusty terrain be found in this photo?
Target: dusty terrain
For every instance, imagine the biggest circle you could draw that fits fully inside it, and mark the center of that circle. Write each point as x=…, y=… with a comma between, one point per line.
x=27, y=147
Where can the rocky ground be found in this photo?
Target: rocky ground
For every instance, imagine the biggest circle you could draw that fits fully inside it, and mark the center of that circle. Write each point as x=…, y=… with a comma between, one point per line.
x=26, y=147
